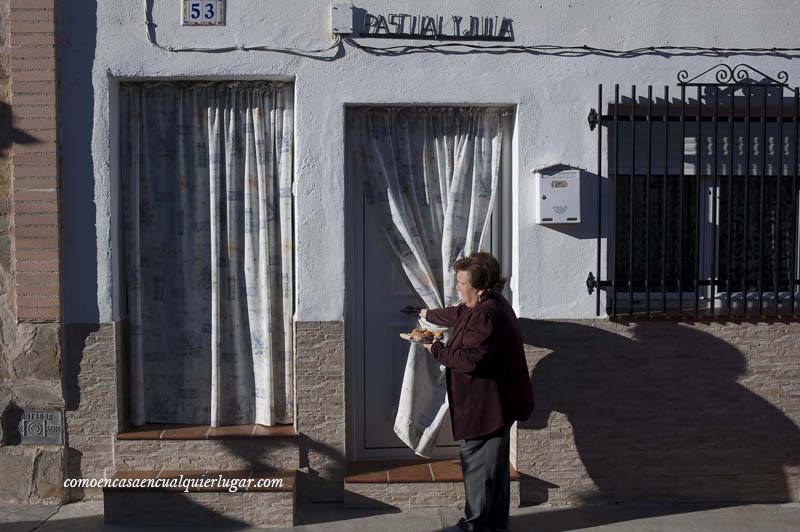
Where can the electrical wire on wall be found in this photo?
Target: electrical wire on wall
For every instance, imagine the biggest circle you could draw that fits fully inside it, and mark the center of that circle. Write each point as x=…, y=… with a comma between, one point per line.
x=312, y=54
x=462, y=48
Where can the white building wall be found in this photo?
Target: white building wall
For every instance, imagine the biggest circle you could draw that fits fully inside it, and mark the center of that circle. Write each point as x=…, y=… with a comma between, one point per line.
x=552, y=93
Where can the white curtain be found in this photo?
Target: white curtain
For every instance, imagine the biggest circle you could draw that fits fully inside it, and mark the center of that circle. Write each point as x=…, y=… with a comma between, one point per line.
x=431, y=176
x=207, y=228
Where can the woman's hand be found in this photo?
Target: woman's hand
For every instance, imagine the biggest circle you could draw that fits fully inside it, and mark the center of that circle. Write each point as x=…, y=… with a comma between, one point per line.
x=428, y=347
x=423, y=312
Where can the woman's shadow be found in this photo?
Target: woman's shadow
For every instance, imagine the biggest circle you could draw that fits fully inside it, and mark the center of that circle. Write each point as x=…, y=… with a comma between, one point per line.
x=658, y=411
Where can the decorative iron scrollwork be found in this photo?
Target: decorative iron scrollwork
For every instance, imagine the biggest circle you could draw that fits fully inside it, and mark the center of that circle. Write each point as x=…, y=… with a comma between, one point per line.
x=727, y=75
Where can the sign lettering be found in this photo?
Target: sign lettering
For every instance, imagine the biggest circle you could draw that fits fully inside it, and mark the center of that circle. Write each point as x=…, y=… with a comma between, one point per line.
x=454, y=27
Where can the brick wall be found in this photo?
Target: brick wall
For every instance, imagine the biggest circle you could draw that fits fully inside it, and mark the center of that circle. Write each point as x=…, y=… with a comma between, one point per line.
x=35, y=160
x=662, y=411
x=650, y=411
x=7, y=318
x=319, y=392
x=657, y=411
x=30, y=332
x=93, y=361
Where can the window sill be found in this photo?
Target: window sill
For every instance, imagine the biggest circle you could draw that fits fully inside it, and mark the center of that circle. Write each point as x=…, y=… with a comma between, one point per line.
x=161, y=431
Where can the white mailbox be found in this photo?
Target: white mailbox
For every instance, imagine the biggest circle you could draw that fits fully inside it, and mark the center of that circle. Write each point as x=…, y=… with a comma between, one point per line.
x=558, y=194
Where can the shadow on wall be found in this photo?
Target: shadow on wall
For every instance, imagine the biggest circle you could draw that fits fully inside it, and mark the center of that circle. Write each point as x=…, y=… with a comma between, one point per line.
x=8, y=134
x=658, y=417
x=77, y=39
x=320, y=486
x=313, y=485
x=75, y=343
x=77, y=28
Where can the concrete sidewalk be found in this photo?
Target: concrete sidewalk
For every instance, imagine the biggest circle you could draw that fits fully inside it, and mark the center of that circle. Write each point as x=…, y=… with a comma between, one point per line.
x=88, y=517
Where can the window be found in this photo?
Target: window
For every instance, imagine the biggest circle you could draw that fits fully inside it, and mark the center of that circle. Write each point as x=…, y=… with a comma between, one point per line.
x=704, y=201
x=207, y=229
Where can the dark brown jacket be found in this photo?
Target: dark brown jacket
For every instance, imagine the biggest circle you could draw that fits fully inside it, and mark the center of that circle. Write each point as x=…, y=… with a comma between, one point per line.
x=488, y=384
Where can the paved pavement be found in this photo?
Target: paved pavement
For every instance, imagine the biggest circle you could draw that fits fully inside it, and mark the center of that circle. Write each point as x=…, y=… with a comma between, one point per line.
x=88, y=517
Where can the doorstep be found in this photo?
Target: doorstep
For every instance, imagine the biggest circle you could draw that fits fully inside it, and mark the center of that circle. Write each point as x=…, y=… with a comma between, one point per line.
x=389, y=471
x=271, y=504
x=407, y=484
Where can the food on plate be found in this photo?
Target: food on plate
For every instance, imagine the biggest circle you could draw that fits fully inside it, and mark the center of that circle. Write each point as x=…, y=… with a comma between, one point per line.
x=424, y=335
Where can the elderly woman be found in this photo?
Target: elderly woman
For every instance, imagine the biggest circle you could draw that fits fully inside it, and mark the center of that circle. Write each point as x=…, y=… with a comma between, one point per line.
x=488, y=386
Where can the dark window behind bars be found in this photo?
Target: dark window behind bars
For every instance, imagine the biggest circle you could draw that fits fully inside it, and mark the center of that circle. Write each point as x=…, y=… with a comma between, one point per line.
x=704, y=196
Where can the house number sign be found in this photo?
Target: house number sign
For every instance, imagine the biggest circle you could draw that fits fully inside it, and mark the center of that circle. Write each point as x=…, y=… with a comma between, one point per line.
x=204, y=13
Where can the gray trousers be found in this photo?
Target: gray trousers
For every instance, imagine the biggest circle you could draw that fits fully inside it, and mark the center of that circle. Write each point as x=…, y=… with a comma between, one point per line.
x=484, y=463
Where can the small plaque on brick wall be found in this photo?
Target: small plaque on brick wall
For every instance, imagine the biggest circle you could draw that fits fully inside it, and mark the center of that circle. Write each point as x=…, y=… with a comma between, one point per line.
x=27, y=427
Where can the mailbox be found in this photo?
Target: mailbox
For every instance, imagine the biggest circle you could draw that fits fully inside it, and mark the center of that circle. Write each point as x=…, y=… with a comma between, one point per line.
x=558, y=194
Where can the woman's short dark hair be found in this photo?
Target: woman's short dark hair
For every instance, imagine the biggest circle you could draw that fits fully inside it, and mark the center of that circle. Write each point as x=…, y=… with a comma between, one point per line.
x=484, y=271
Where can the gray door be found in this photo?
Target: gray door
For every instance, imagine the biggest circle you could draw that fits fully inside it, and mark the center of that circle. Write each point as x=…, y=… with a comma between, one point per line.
x=387, y=292
x=378, y=291
x=382, y=354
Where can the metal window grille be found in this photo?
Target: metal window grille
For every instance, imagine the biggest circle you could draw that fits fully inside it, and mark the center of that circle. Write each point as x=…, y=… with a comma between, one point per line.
x=704, y=197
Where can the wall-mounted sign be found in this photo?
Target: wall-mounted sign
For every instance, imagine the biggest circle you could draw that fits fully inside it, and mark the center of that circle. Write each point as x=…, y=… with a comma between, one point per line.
x=204, y=13
x=33, y=426
x=440, y=27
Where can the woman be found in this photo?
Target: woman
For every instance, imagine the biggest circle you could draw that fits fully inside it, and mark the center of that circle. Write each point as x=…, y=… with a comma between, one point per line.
x=488, y=386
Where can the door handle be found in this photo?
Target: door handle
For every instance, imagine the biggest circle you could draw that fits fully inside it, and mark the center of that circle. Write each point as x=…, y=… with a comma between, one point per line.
x=410, y=310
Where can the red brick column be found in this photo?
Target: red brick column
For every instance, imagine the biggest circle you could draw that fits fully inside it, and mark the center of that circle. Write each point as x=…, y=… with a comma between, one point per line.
x=35, y=197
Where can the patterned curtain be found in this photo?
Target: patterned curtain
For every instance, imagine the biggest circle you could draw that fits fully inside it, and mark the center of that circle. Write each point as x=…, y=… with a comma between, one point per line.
x=769, y=236
x=670, y=221
x=431, y=178
x=754, y=214
x=207, y=227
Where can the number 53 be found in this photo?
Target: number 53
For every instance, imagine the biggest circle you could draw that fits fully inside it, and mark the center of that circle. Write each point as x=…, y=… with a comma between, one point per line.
x=197, y=10
x=202, y=10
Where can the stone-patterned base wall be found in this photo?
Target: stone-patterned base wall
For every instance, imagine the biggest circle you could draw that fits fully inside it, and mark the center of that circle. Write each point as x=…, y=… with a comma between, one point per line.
x=91, y=375
x=96, y=387
x=241, y=509
x=319, y=393
x=32, y=474
x=95, y=381
x=406, y=496
x=30, y=379
x=259, y=454
x=662, y=410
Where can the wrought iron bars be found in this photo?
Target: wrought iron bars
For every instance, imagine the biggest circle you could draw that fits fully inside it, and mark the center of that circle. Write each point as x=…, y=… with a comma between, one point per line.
x=716, y=235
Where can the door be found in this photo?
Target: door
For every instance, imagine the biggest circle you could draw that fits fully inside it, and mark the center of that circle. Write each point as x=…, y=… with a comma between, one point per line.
x=378, y=292
x=386, y=293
